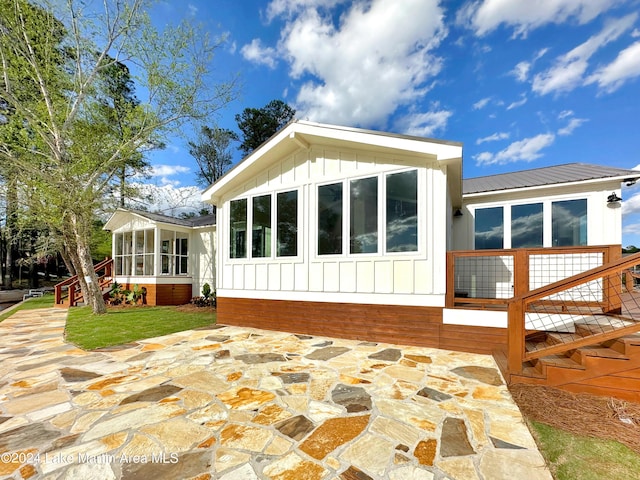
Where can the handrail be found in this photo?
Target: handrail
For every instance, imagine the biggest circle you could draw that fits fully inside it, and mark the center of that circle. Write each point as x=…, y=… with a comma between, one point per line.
x=517, y=307
x=73, y=283
x=521, y=258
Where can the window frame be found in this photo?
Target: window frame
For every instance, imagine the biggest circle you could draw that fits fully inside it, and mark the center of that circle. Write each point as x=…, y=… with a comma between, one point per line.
x=273, y=243
x=381, y=176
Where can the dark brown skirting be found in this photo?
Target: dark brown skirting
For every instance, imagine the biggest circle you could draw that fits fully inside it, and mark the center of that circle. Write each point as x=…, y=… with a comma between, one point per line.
x=170, y=294
x=404, y=325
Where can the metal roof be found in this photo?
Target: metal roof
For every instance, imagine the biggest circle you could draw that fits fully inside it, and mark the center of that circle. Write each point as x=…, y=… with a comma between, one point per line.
x=557, y=174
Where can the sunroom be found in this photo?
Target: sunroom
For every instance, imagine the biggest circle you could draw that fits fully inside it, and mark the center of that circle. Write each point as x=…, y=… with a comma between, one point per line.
x=171, y=258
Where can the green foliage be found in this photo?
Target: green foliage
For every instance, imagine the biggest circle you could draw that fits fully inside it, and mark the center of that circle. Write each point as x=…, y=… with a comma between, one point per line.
x=206, y=290
x=127, y=325
x=74, y=124
x=571, y=457
x=100, y=242
x=259, y=124
x=212, y=153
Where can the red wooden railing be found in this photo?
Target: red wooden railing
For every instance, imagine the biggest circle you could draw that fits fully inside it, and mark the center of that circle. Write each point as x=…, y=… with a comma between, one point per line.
x=69, y=292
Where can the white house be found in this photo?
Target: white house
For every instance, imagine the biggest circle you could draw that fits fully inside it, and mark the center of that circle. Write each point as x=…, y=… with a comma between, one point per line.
x=171, y=257
x=342, y=231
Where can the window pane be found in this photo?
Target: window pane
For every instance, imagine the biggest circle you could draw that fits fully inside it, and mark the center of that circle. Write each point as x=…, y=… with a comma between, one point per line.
x=364, y=215
x=330, y=219
x=526, y=226
x=166, y=264
x=261, y=228
x=182, y=246
x=118, y=239
x=184, y=265
x=139, y=241
x=287, y=224
x=127, y=243
x=149, y=241
x=238, y=228
x=139, y=265
x=402, y=212
x=148, y=264
x=569, y=223
x=489, y=228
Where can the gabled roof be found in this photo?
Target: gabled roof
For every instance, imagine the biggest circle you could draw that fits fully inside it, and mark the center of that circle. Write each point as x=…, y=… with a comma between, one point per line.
x=301, y=135
x=202, y=221
x=546, y=176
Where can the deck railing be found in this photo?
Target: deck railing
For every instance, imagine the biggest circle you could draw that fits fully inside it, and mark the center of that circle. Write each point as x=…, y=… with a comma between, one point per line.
x=487, y=279
x=70, y=288
x=587, y=309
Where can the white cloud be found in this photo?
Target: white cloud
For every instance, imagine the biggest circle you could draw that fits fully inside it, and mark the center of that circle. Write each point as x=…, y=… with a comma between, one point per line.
x=630, y=206
x=424, y=124
x=521, y=71
x=569, y=69
x=565, y=114
x=256, y=53
x=168, y=170
x=523, y=150
x=571, y=126
x=635, y=33
x=625, y=67
x=192, y=9
x=480, y=104
x=291, y=7
x=526, y=15
x=519, y=103
x=493, y=138
x=359, y=69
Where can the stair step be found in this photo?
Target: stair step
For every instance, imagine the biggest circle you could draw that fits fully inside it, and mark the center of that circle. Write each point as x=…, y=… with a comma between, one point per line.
x=623, y=344
x=596, y=351
x=557, y=361
x=599, y=324
x=554, y=338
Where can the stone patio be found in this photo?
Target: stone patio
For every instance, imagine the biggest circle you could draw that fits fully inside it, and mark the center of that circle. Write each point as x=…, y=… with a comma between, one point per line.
x=231, y=403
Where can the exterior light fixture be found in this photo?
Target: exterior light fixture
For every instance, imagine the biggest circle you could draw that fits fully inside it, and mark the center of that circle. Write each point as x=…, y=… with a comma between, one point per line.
x=457, y=213
x=613, y=198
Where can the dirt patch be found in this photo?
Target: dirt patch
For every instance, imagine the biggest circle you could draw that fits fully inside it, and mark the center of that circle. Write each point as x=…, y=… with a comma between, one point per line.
x=190, y=308
x=581, y=414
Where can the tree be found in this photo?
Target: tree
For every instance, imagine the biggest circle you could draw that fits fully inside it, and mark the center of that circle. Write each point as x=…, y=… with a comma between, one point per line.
x=69, y=152
x=117, y=103
x=212, y=153
x=259, y=124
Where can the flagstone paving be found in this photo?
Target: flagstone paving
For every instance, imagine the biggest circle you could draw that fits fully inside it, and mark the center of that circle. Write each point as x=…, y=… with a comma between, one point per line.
x=233, y=403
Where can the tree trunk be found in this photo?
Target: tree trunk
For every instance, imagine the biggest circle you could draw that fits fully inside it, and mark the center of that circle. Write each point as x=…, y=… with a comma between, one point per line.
x=83, y=264
x=12, y=205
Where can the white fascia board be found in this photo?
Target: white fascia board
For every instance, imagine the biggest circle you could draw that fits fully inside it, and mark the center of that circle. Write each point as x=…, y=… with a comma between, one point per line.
x=544, y=187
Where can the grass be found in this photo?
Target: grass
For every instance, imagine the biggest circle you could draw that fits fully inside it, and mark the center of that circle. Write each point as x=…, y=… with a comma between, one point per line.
x=125, y=325
x=46, y=301
x=573, y=457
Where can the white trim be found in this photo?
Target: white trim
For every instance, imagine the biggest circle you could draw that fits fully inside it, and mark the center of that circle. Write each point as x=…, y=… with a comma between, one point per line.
x=474, y=318
x=412, y=300
x=164, y=280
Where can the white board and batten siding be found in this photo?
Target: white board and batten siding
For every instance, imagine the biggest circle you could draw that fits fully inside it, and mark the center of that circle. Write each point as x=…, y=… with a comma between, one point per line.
x=403, y=278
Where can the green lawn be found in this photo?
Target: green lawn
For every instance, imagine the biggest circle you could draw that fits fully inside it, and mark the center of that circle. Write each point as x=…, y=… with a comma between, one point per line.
x=572, y=457
x=46, y=301
x=124, y=325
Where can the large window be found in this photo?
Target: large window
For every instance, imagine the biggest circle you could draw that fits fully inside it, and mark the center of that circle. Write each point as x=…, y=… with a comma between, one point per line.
x=134, y=253
x=238, y=228
x=261, y=227
x=369, y=230
x=526, y=225
x=489, y=228
x=364, y=215
x=287, y=221
x=569, y=223
x=402, y=212
x=265, y=211
x=330, y=219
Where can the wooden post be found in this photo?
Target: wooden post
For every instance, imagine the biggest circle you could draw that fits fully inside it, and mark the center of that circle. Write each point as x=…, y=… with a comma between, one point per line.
x=612, y=284
x=520, y=272
x=515, y=336
x=449, y=297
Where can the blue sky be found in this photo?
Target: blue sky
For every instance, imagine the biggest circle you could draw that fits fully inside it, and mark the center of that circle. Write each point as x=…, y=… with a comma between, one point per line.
x=522, y=84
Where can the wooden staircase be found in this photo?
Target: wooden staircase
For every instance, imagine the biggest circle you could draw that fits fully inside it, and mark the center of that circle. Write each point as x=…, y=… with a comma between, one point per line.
x=599, y=353
x=68, y=293
x=608, y=368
